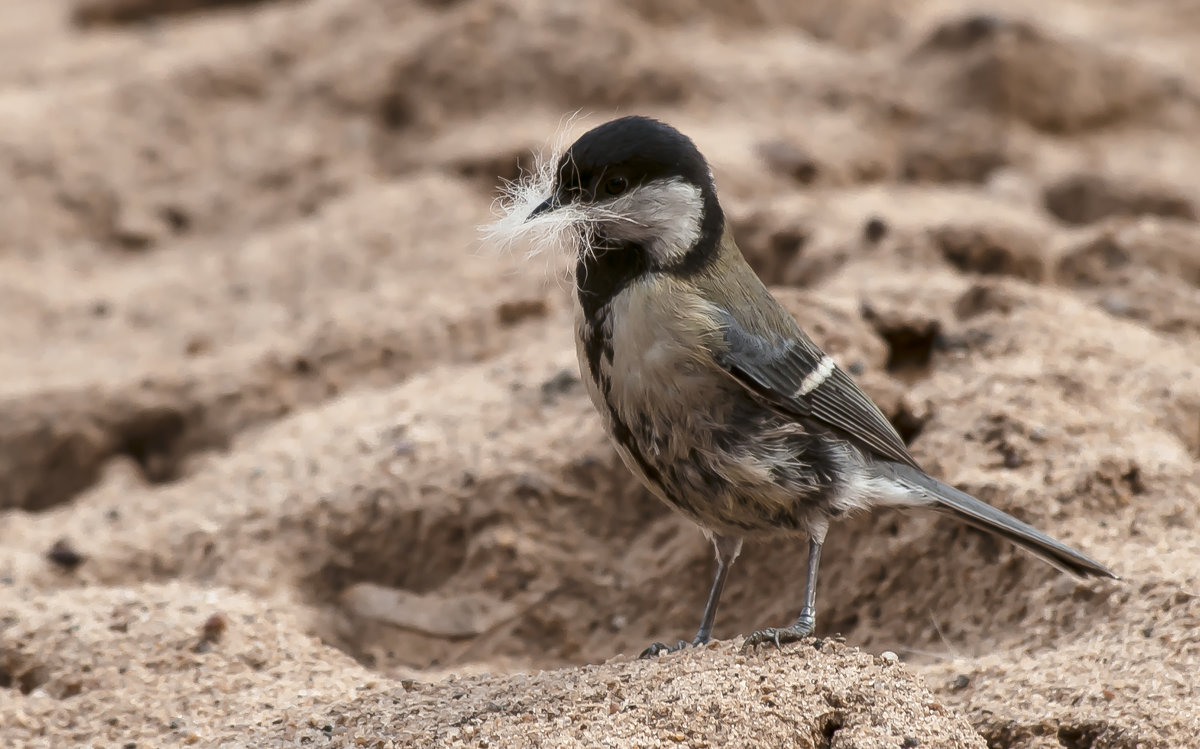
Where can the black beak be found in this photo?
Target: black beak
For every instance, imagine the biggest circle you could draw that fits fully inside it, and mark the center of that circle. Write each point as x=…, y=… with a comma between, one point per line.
x=549, y=204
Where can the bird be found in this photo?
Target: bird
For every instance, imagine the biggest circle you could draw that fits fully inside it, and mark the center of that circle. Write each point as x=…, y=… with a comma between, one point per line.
x=712, y=394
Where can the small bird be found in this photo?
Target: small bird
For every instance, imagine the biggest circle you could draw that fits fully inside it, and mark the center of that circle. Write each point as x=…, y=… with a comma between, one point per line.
x=712, y=394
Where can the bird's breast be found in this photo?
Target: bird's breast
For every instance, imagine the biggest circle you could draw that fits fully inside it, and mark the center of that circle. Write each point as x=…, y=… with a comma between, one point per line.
x=648, y=371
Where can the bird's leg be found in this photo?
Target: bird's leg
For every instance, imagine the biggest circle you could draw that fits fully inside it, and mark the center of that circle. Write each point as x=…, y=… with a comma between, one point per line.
x=727, y=548
x=804, y=624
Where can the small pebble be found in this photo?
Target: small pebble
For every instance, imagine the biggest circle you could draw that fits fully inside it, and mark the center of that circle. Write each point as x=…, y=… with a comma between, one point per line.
x=214, y=627
x=889, y=656
x=64, y=555
x=1115, y=306
x=875, y=229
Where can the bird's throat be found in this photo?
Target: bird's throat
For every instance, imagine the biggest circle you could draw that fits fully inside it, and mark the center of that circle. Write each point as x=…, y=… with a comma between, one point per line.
x=603, y=270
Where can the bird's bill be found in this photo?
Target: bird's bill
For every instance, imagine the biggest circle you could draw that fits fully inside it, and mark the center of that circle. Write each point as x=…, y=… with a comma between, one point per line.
x=547, y=205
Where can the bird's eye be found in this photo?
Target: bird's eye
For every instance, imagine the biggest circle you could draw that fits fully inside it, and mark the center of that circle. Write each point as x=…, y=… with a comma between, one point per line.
x=616, y=185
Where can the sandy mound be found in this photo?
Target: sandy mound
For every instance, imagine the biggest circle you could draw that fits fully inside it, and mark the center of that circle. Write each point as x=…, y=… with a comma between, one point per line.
x=286, y=457
x=219, y=667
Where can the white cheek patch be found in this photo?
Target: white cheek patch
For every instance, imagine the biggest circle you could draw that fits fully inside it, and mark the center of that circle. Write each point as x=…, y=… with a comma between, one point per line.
x=664, y=216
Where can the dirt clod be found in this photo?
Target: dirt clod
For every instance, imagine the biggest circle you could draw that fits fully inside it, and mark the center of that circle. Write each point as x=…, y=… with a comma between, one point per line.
x=789, y=160
x=1087, y=198
x=64, y=555
x=992, y=250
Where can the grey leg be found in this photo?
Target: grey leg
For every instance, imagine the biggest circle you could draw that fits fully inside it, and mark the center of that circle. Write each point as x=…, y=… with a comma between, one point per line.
x=808, y=614
x=804, y=624
x=727, y=548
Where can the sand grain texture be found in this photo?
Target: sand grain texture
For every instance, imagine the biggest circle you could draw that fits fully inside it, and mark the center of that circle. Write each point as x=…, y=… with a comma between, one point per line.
x=286, y=458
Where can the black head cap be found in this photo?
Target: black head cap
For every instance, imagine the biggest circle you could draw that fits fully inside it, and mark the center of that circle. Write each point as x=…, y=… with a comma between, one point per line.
x=620, y=156
x=636, y=149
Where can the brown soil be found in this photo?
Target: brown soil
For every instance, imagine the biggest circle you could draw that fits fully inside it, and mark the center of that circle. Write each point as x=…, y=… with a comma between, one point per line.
x=285, y=456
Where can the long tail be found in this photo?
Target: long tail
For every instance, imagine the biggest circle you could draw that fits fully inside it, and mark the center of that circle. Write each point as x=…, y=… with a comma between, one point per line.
x=985, y=517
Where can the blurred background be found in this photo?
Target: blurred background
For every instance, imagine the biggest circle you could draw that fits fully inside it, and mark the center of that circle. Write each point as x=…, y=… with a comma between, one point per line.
x=265, y=399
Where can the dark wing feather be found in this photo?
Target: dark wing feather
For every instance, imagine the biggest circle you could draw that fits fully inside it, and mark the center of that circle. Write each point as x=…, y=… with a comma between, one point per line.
x=775, y=371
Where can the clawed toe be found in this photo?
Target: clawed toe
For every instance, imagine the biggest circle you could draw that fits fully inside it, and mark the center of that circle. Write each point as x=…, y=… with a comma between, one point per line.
x=778, y=636
x=659, y=648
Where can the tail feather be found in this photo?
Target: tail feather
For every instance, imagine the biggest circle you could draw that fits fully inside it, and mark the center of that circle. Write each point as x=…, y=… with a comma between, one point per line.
x=985, y=517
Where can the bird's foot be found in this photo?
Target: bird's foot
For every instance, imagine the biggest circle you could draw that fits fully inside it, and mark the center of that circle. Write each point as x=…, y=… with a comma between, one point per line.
x=781, y=636
x=659, y=648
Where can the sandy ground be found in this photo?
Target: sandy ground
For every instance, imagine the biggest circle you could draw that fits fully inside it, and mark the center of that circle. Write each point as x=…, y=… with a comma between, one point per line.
x=286, y=458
